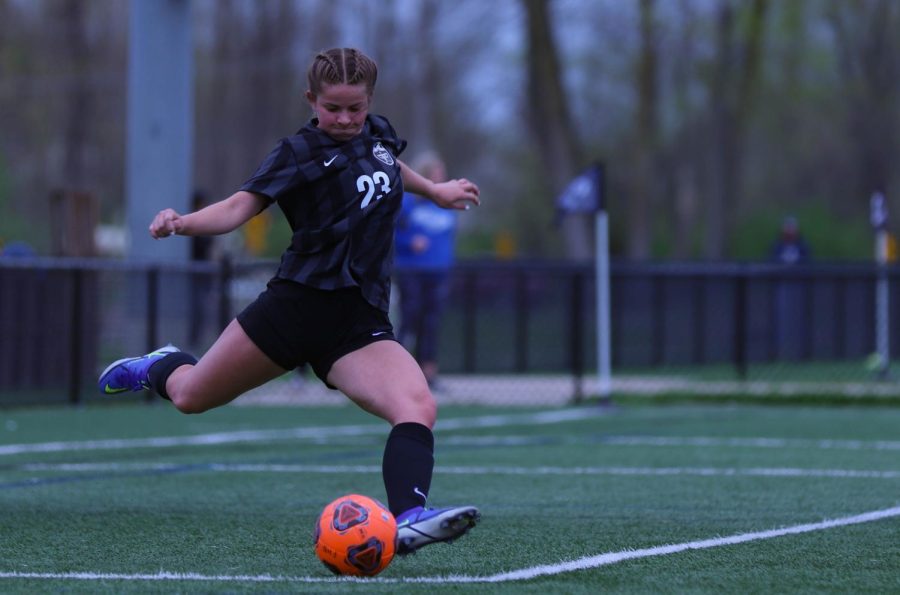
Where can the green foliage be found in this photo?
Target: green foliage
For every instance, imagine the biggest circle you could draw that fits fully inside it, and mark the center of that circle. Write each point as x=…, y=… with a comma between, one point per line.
x=478, y=243
x=829, y=236
x=12, y=227
x=278, y=237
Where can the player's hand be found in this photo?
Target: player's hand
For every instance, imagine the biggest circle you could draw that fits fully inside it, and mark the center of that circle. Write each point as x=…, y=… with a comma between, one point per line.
x=166, y=223
x=456, y=194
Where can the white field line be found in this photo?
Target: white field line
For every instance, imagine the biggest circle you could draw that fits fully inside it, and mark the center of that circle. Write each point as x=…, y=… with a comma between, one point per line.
x=690, y=441
x=325, y=434
x=753, y=442
x=441, y=470
x=532, y=572
x=314, y=433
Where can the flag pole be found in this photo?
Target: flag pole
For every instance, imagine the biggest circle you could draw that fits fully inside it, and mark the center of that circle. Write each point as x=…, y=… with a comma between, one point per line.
x=878, y=217
x=604, y=369
x=586, y=194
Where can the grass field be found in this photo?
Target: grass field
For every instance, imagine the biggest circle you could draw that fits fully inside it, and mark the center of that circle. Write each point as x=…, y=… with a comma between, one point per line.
x=631, y=499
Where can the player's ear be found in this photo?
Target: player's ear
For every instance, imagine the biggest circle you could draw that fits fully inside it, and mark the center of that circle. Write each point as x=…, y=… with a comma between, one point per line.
x=311, y=98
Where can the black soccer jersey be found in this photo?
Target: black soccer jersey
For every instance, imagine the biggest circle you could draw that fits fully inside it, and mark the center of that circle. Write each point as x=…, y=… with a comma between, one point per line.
x=341, y=200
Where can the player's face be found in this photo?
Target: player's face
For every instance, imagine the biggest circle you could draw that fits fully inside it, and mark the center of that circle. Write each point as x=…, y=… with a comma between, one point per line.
x=342, y=109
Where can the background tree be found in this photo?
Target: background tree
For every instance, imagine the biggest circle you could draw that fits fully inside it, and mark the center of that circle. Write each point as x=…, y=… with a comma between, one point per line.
x=714, y=118
x=739, y=39
x=551, y=123
x=646, y=178
x=868, y=48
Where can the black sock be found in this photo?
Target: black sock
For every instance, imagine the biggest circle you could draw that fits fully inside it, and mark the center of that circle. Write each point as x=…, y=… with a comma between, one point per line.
x=407, y=466
x=160, y=371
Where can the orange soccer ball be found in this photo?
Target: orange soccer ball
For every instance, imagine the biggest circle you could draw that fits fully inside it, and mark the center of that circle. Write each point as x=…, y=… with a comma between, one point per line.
x=356, y=535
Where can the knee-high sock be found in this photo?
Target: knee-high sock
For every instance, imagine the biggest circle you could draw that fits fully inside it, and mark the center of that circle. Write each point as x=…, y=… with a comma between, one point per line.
x=407, y=466
x=160, y=371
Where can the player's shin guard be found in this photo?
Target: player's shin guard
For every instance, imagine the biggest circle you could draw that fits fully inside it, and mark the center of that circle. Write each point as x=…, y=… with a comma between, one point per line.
x=407, y=466
x=160, y=371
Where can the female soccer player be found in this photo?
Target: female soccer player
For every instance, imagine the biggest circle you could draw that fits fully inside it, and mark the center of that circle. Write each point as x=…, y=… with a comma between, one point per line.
x=340, y=184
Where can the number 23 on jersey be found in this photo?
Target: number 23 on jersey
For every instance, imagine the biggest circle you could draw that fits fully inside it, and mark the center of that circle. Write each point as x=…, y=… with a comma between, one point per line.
x=369, y=184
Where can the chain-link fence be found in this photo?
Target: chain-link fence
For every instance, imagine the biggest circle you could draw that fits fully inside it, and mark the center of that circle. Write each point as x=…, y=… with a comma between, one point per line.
x=519, y=333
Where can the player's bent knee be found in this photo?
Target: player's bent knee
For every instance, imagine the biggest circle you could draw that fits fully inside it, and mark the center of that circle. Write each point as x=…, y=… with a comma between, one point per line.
x=187, y=405
x=421, y=408
x=189, y=401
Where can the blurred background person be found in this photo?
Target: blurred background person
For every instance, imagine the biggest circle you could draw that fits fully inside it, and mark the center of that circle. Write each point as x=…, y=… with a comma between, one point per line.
x=424, y=256
x=790, y=247
x=791, y=329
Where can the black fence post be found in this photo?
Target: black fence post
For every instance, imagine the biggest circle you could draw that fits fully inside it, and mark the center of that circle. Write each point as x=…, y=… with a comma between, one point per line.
x=699, y=317
x=470, y=328
x=521, y=320
x=772, y=282
x=152, y=308
x=75, y=339
x=658, y=297
x=616, y=338
x=740, y=324
x=226, y=272
x=840, y=316
x=576, y=334
x=152, y=315
x=808, y=317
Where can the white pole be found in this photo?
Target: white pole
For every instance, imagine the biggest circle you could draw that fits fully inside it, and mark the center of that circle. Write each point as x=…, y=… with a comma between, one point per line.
x=878, y=217
x=882, y=308
x=604, y=370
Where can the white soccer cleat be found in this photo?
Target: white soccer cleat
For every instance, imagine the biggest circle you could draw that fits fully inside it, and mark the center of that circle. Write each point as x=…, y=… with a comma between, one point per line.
x=419, y=526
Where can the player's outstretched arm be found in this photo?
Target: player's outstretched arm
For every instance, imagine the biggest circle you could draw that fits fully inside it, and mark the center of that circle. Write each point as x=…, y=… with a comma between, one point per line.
x=218, y=218
x=452, y=194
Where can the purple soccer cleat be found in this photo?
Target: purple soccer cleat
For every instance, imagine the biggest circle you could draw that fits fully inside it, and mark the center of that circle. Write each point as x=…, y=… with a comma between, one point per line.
x=418, y=527
x=131, y=373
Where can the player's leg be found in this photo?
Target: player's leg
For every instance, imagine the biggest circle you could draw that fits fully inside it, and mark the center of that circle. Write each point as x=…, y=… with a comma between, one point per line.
x=410, y=310
x=232, y=366
x=384, y=379
x=435, y=291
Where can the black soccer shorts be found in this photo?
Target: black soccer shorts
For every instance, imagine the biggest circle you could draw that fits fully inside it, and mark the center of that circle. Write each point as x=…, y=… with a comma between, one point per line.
x=295, y=324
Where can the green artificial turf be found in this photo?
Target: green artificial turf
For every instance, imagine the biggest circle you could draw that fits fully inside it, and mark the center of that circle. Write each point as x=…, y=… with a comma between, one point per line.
x=111, y=502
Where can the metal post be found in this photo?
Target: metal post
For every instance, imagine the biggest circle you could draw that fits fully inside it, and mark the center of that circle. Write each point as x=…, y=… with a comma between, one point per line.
x=226, y=272
x=160, y=121
x=878, y=217
x=699, y=314
x=576, y=337
x=152, y=315
x=470, y=328
x=658, y=313
x=740, y=324
x=604, y=332
x=521, y=322
x=75, y=339
x=882, y=307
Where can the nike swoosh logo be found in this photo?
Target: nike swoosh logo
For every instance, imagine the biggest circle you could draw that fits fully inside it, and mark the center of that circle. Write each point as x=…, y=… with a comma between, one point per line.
x=111, y=391
x=330, y=161
x=377, y=333
x=416, y=490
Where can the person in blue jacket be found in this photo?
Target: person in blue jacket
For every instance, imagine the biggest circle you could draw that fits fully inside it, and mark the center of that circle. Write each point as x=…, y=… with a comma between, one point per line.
x=791, y=294
x=424, y=256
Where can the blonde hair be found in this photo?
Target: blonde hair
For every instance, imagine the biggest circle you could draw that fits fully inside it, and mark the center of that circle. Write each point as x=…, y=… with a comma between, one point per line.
x=341, y=66
x=430, y=165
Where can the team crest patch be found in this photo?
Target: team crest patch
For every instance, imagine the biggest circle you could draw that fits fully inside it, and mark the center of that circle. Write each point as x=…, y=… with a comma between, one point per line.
x=382, y=154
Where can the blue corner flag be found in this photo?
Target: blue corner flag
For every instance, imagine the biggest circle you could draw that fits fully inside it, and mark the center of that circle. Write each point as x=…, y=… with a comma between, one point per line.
x=584, y=194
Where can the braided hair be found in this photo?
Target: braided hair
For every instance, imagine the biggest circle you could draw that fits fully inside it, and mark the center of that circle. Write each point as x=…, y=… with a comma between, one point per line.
x=342, y=66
